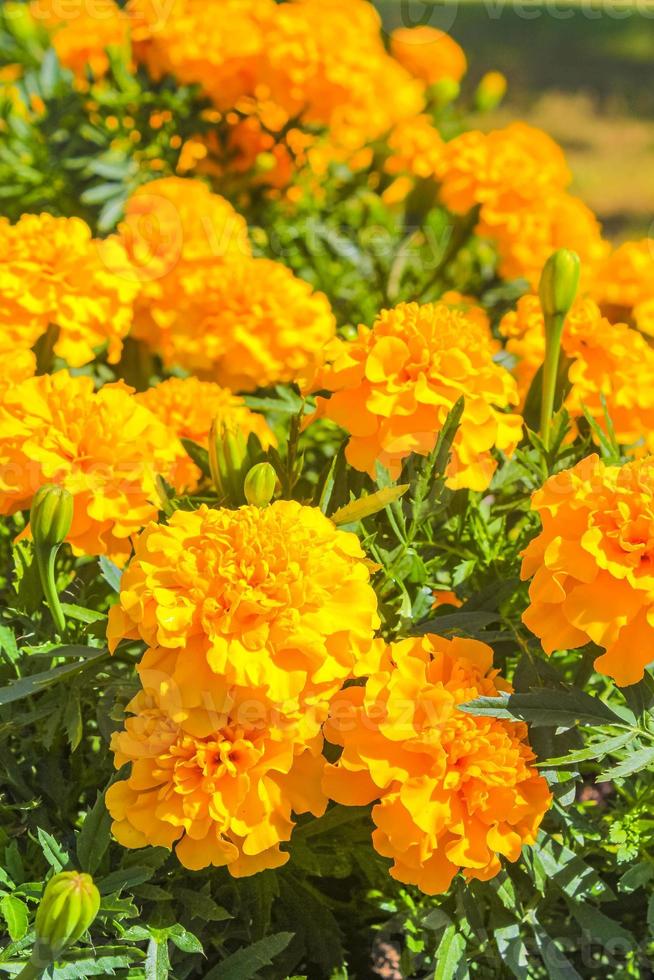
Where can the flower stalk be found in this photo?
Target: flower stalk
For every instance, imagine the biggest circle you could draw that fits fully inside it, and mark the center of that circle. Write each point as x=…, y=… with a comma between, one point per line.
x=558, y=288
x=51, y=518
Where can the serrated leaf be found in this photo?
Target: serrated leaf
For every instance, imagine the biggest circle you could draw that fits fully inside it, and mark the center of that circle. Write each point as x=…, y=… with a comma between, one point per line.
x=595, y=751
x=126, y=878
x=643, y=759
x=16, y=915
x=358, y=510
x=246, y=963
x=546, y=707
x=82, y=615
x=198, y=454
x=36, y=683
x=56, y=856
x=184, y=939
x=157, y=962
x=93, y=838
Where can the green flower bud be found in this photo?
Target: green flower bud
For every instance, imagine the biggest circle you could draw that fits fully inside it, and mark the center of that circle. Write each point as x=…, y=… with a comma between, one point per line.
x=559, y=283
x=490, y=91
x=444, y=92
x=228, y=461
x=69, y=904
x=51, y=516
x=260, y=484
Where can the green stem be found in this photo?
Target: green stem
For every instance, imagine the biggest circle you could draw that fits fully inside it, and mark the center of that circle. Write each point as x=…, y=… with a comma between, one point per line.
x=45, y=562
x=553, y=332
x=30, y=972
x=461, y=232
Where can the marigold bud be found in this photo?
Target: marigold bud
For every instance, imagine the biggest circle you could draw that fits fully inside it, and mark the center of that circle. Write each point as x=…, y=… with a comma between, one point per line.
x=228, y=461
x=490, y=91
x=559, y=282
x=444, y=91
x=69, y=905
x=259, y=484
x=51, y=516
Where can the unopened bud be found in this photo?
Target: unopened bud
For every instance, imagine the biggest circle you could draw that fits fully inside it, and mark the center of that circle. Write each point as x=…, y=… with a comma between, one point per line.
x=260, y=484
x=490, y=91
x=444, y=91
x=559, y=283
x=51, y=516
x=228, y=461
x=69, y=904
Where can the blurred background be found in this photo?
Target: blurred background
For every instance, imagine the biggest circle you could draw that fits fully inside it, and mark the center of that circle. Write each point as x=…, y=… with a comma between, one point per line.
x=582, y=71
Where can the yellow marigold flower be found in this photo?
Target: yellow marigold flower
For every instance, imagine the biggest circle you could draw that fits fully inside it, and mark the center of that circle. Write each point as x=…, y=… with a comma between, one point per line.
x=416, y=148
x=393, y=387
x=82, y=32
x=219, y=780
x=52, y=273
x=456, y=792
x=428, y=53
x=610, y=361
x=189, y=406
x=103, y=447
x=625, y=283
x=274, y=598
x=591, y=564
x=243, y=324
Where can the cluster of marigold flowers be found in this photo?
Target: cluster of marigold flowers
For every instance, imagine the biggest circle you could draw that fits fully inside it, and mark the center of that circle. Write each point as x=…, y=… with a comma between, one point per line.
x=259, y=625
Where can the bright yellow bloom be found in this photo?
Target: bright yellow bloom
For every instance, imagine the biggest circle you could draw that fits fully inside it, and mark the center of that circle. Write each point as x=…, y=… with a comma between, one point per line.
x=456, y=792
x=244, y=324
x=625, y=284
x=188, y=407
x=82, y=31
x=52, y=273
x=610, y=361
x=429, y=54
x=219, y=779
x=272, y=598
x=103, y=447
x=591, y=564
x=393, y=387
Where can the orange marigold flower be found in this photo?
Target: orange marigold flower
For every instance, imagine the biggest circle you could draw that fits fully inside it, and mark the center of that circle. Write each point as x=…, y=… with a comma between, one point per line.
x=82, y=32
x=243, y=324
x=456, y=792
x=501, y=169
x=416, y=148
x=189, y=406
x=591, y=564
x=625, y=284
x=275, y=598
x=323, y=63
x=445, y=597
x=610, y=362
x=220, y=780
x=52, y=273
x=103, y=447
x=393, y=387
x=429, y=54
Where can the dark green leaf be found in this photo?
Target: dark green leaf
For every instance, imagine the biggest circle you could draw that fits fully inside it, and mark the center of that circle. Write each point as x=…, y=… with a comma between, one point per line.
x=246, y=963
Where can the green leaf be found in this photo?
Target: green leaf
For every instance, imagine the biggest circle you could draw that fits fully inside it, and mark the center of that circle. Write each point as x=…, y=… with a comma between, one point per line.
x=511, y=947
x=599, y=925
x=93, y=838
x=126, y=878
x=450, y=953
x=111, y=573
x=8, y=644
x=184, y=939
x=597, y=750
x=157, y=962
x=364, y=507
x=199, y=456
x=81, y=614
x=643, y=759
x=546, y=707
x=246, y=963
x=201, y=906
x=73, y=720
x=36, y=683
x=54, y=853
x=15, y=914
x=650, y=915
